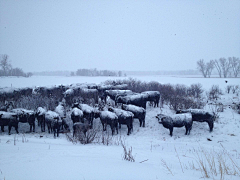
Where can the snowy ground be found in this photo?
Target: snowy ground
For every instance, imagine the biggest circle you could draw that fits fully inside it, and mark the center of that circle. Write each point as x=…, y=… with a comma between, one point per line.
x=157, y=154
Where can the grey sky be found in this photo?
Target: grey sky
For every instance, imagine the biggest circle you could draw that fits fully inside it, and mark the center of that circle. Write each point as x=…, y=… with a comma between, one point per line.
x=43, y=35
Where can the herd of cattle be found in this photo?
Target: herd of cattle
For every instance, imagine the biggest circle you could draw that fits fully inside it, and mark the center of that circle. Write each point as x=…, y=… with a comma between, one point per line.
x=132, y=105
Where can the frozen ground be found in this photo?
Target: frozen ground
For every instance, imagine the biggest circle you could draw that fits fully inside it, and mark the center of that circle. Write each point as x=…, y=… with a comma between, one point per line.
x=157, y=155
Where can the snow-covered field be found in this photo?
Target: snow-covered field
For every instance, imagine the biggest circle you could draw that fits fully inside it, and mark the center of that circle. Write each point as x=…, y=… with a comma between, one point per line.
x=157, y=154
x=20, y=82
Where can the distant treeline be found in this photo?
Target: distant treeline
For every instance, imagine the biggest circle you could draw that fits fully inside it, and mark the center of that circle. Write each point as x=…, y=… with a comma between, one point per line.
x=95, y=72
x=8, y=70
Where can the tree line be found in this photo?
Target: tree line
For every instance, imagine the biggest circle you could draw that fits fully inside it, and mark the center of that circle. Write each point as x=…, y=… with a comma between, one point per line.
x=226, y=67
x=8, y=70
x=95, y=72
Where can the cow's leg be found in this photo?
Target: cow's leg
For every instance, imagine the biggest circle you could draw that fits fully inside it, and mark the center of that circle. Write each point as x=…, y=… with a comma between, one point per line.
x=2, y=128
x=30, y=127
x=34, y=126
x=171, y=131
x=129, y=129
x=186, y=130
x=43, y=124
x=210, y=124
x=112, y=127
x=140, y=121
x=9, y=129
x=116, y=128
x=143, y=122
x=16, y=128
x=103, y=124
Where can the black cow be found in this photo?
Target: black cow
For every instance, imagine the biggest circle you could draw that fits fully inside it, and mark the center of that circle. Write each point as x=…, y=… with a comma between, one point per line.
x=109, y=118
x=200, y=116
x=40, y=115
x=26, y=116
x=113, y=94
x=55, y=123
x=152, y=96
x=76, y=115
x=124, y=117
x=135, y=99
x=58, y=124
x=177, y=120
x=8, y=119
x=139, y=113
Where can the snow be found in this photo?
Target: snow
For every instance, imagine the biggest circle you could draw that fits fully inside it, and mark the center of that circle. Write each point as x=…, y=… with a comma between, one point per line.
x=68, y=92
x=134, y=108
x=60, y=110
x=27, y=156
x=77, y=112
x=41, y=111
x=51, y=115
x=120, y=112
x=22, y=111
x=7, y=115
x=86, y=108
x=108, y=114
x=118, y=92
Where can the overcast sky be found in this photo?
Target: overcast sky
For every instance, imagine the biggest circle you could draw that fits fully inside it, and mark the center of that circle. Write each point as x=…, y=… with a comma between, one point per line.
x=41, y=35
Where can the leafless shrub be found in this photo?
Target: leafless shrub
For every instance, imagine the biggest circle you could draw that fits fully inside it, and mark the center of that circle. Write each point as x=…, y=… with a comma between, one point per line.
x=179, y=159
x=195, y=90
x=24, y=139
x=213, y=163
x=235, y=89
x=81, y=137
x=228, y=88
x=35, y=101
x=127, y=153
x=164, y=164
x=71, y=138
x=180, y=98
x=86, y=138
x=214, y=92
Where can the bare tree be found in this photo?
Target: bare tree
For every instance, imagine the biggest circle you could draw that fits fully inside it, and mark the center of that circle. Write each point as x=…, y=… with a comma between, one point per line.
x=202, y=67
x=5, y=64
x=225, y=65
x=235, y=65
x=218, y=67
x=210, y=67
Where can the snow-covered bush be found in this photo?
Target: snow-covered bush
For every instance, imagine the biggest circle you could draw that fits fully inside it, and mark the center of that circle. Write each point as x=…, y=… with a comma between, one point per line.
x=229, y=88
x=235, y=89
x=34, y=101
x=214, y=92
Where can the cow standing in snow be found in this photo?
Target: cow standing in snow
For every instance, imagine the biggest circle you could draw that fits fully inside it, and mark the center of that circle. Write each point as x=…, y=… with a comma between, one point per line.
x=135, y=99
x=109, y=118
x=152, y=96
x=200, y=115
x=124, y=117
x=139, y=113
x=40, y=115
x=76, y=115
x=26, y=116
x=176, y=120
x=8, y=119
x=55, y=123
